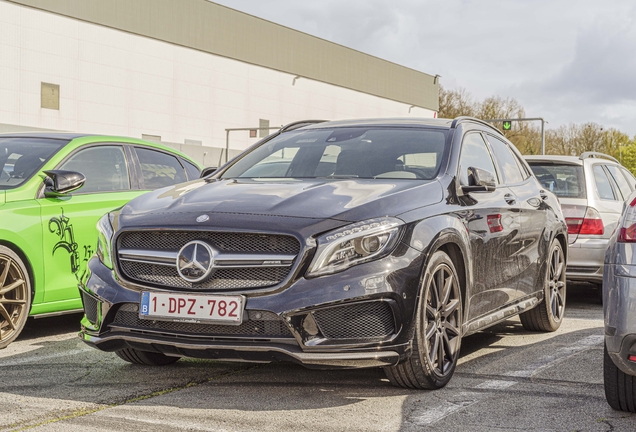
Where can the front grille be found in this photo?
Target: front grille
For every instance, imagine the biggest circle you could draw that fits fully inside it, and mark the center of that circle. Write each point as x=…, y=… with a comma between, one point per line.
x=370, y=320
x=90, y=307
x=222, y=241
x=261, y=324
x=222, y=278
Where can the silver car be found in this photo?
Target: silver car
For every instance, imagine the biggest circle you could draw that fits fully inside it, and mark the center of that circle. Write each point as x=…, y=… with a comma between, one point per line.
x=619, y=307
x=591, y=189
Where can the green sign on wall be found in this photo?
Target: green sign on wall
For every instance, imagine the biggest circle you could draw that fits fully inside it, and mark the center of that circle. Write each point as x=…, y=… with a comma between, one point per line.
x=507, y=125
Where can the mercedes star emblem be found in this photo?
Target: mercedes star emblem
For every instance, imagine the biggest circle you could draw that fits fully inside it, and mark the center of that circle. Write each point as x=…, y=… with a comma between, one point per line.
x=195, y=261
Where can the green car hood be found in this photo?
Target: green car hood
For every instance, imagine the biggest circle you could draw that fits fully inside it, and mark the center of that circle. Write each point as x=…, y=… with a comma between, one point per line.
x=2, y=197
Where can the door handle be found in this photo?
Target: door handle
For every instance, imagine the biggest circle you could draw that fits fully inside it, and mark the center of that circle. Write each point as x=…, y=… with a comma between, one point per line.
x=510, y=199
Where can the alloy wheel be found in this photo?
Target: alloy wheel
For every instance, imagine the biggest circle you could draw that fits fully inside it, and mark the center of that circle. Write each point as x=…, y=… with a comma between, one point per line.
x=556, y=284
x=13, y=298
x=442, y=323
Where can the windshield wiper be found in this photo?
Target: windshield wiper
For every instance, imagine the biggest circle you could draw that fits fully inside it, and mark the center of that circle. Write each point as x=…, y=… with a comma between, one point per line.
x=340, y=176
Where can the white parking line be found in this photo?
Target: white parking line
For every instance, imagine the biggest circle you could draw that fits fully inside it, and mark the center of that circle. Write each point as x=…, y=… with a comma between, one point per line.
x=465, y=399
x=37, y=358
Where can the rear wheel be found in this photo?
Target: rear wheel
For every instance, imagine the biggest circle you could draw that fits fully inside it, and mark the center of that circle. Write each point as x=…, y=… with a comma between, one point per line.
x=620, y=388
x=146, y=358
x=15, y=296
x=437, y=336
x=548, y=315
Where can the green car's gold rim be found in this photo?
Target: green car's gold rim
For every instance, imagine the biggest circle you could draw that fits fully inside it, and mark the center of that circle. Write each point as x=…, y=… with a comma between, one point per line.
x=13, y=297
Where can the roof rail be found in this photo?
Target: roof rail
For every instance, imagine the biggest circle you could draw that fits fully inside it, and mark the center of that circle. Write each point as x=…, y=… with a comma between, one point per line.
x=461, y=119
x=298, y=124
x=592, y=154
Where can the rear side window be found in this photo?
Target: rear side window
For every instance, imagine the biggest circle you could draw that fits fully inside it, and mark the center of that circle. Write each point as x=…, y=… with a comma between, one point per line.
x=159, y=169
x=622, y=184
x=629, y=177
x=603, y=185
x=565, y=181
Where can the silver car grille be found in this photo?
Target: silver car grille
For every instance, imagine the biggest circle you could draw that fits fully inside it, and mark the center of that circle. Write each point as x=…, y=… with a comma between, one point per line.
x=243, y=260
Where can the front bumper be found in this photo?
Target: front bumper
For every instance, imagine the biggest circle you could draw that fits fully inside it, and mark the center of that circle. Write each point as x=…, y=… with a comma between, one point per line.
x=357, y=336
x=619, y=304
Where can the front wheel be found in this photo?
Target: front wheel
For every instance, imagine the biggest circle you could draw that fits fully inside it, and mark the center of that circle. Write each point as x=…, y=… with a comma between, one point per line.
x=145, y=358
x=547, y=316
x=437, y=336
x=15, y=296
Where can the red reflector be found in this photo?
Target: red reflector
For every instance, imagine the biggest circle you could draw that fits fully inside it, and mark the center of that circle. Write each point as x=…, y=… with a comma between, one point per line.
x=494, y=223
x=632, y=358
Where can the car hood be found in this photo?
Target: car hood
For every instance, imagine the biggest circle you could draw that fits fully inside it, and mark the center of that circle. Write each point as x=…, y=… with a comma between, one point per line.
x=3, y=197
x=344, y=200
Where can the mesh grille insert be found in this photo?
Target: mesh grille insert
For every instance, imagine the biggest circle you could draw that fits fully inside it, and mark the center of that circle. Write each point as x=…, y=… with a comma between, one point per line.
x=90, y=307
x=222, y=241
x=370, y=320
x=269, y=325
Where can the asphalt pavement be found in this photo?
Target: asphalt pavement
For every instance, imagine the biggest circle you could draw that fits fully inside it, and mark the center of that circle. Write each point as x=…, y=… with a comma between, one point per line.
x=508, y=379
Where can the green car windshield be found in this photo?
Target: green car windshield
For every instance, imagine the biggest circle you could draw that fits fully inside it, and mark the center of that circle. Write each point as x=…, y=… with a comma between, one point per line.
x=21, y=157
x=347, y=152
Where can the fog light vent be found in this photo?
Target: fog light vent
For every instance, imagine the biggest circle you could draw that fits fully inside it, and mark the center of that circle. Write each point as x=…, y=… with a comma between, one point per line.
x=369, y=320
x=90, y=307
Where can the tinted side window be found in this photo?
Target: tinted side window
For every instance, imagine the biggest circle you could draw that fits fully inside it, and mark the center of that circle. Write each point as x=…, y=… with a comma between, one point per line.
x=159, y=169
x=623, y=186
x=474, y=154
x=506, y=161
x=603, y=186
x=191, y=169
x=104, y=167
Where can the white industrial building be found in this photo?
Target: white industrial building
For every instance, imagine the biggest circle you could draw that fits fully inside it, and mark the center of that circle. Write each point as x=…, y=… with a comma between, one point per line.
x=184, y=72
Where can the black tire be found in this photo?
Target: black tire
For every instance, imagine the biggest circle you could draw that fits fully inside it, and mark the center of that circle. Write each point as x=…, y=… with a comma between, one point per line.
x=437, y=336
x=620, y=388
x=15, y=296
x=547, y=316
x=145, y=358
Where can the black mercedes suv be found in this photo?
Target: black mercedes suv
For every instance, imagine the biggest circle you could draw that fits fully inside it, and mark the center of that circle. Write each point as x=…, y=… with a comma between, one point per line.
x=363, y=243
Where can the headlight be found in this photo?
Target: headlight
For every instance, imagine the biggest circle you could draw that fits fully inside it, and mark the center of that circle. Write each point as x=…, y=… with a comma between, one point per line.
x=104, y=239
x=355, y=244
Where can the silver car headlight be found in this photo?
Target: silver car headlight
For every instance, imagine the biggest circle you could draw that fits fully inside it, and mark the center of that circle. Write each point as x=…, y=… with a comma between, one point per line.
x=355, y=244
x=105, y=234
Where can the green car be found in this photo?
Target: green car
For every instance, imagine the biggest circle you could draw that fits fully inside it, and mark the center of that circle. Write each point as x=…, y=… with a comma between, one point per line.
x=53, y=189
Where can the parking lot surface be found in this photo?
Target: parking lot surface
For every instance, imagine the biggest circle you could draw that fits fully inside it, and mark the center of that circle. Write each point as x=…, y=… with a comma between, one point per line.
x=507, y=379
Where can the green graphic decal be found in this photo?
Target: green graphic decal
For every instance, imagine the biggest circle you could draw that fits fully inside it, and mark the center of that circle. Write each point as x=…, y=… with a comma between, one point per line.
x=62, y=228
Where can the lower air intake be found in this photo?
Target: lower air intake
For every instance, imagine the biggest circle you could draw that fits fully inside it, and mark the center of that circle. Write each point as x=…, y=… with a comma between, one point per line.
x=370, y=320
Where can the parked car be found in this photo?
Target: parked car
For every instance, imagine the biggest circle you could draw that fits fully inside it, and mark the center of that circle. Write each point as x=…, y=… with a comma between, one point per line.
x=53, y=189
x=619, y=307
x=591, y=189
x=381, y=243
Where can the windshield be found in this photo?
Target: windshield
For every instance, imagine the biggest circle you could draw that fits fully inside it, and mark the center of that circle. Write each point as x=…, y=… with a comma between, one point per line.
x=565, y=180
x=366, y=153
x=20, y=158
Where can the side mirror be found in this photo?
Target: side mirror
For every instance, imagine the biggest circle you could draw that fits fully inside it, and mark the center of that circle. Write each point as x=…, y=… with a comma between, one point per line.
x=207, y=171
x=480, y=180
x=59, y=182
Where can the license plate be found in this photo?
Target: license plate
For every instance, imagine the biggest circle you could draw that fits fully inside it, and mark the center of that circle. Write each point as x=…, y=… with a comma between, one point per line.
x=192, y=307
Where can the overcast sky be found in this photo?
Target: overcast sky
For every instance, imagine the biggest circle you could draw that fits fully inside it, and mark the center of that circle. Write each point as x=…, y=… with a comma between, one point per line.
x=565, y=61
